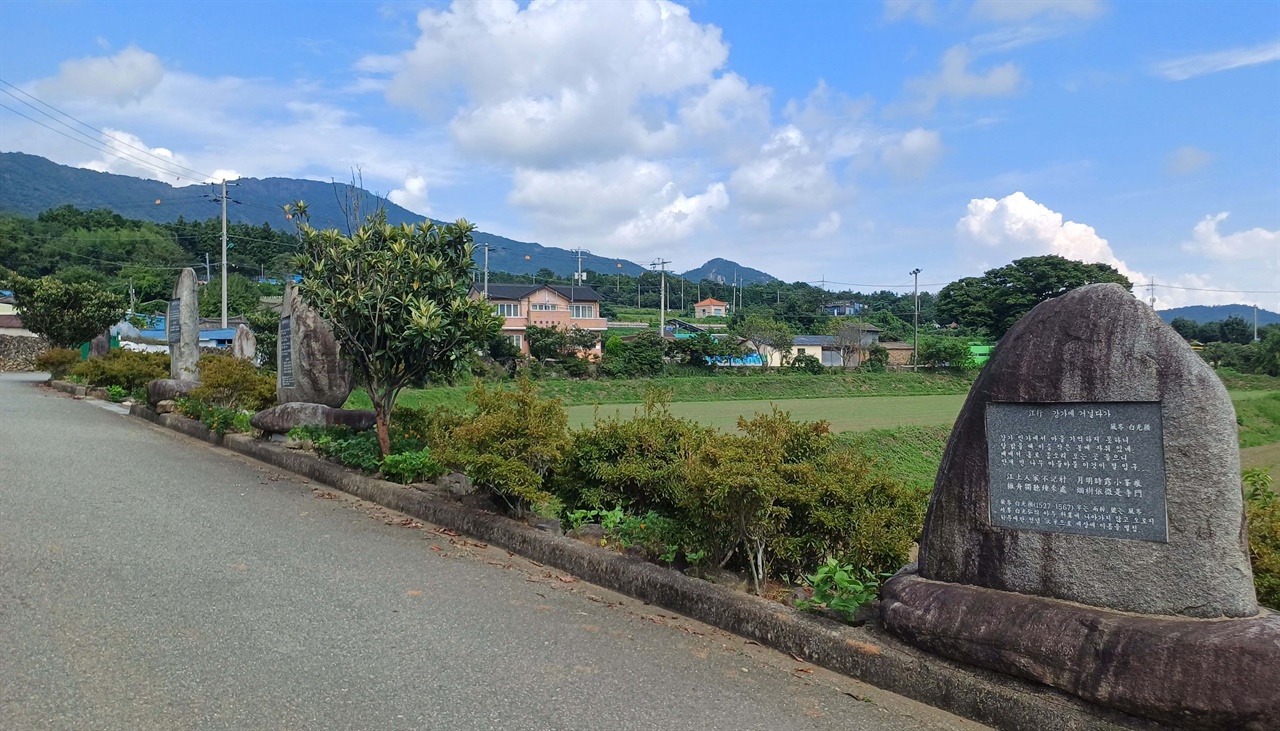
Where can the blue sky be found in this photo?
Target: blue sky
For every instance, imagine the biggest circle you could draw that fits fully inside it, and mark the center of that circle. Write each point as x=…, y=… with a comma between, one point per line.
x=845, y=141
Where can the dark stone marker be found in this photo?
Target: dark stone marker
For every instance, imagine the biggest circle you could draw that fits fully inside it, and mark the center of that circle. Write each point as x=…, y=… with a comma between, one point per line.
x=285, y=344
x=1136, y=597
x=1084, y=468
x=174, y=321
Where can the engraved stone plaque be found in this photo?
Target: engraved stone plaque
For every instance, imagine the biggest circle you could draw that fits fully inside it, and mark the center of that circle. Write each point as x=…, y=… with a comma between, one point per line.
x=174, y=321
x=286, y=352
x=1094, y=469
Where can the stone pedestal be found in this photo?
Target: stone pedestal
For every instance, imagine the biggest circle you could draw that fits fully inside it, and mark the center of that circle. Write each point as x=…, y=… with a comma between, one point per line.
x=183, y=328
x=1094, y=471
x=309, y=364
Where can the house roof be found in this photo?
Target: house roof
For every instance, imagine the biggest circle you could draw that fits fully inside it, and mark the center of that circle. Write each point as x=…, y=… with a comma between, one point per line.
x=10, y=321
x=895, y=345
x=8, y=299
x=823, y=340
x=709, y=302
x=520, y=291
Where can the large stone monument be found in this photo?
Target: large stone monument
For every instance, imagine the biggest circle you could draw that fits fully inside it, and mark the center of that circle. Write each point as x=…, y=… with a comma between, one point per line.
x=182, y=324
x=244, y=344
x=1086, y=528
x=309, y=364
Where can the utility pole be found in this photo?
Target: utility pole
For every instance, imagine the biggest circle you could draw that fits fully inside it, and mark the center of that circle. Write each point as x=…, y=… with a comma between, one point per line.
x=1151, y=290
x=915, y=322
x=224, y=253
x=580, y=278
x=133, y=301
x=662, y=296
x=486, y=271
x=1255, y=323
x=208, y=277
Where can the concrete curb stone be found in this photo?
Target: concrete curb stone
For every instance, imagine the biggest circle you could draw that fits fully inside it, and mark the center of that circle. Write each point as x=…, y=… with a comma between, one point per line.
x=865, y=653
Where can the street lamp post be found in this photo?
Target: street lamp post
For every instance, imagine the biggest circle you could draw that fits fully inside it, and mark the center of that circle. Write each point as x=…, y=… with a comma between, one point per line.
x=915, y=321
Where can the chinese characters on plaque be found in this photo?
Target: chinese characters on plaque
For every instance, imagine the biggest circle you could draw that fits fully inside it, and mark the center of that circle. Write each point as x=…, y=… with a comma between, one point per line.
x=1093, y=469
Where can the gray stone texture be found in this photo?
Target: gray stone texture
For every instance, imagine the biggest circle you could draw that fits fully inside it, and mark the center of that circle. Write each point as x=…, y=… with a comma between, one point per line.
x=1192, y=673
x=283, y=417
x=184, y=351
x=1098, y=344
x=100, y=345
x=245, y=344
x=168, y=389
x=320, y=374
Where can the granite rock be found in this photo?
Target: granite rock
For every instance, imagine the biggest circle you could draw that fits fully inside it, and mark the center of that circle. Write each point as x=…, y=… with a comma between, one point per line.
x=183, y=325
x=168, y=389
x=165, y=407
x=1192, y=673
x=283, y=417
x=1099, y=344
x=244, y=344
x=309, y=363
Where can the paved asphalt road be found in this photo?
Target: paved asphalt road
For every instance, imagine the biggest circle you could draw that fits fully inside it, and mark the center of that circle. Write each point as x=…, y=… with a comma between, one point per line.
x=148, y=581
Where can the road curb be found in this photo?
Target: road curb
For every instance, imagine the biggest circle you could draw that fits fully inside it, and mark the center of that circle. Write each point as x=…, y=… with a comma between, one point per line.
x=866, y=653
x=68, y=387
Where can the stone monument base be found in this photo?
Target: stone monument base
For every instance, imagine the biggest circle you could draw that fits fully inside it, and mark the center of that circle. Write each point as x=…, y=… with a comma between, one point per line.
x=1192, y=673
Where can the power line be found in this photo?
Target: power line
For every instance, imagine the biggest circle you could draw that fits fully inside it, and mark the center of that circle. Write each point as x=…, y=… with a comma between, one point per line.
x=122, y=155
x=82, y=123
x=1227, y=291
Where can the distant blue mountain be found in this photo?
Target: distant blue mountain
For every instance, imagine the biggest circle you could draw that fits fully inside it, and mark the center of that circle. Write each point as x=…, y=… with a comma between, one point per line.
x=724, y=272
x=1215, y=313
x=30, y=184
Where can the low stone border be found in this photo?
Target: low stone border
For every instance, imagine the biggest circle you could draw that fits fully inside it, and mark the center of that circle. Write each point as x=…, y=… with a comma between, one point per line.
x=866, y=653
x=75, y=389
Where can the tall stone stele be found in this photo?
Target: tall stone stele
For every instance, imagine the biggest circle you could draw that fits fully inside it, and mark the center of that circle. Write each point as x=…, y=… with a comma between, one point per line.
x=183, y=328
x=244, y=344
x=309, y=363
x=1086, y=529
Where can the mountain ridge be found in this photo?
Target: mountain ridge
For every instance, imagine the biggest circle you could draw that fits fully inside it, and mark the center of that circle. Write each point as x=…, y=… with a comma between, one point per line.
x=30, y=184
x=1214, y=313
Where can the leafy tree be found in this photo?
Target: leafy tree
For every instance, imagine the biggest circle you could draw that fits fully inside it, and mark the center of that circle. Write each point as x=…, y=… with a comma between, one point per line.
x=546, y=343
x=939, y=352
x=1000, y=297
x=242, y=297
x=644, y=356
x=765, y=333
x=699, y=350
x=1188, y=329
x=67, y=315
x=1235, y=330
x=397, y=300
x=1266, y=357
x=581, y=340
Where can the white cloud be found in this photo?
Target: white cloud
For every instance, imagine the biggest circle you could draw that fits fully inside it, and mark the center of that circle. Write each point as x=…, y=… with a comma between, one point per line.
x=1188, y=67
x=125, y=77
x=1257, y=244
x=1015, y=226
x=413, y=195
x=913, y=154
x=131, y=156
x=921, y=10
x=827, y=227
x=788, y=174
x=560, y=82
x=1186, y=160
x=632, y=205
x=1017, y=10
x=954, y=80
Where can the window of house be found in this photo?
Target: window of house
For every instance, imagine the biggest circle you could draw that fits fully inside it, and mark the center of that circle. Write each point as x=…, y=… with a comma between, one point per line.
x=515, y=340
x=543, y=306
x=582, y=311
x=509, y=310
x=718, y=312
x=799, y=351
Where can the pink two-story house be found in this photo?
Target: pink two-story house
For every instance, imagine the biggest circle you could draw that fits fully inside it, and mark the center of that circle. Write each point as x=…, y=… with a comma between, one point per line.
x=544, y=305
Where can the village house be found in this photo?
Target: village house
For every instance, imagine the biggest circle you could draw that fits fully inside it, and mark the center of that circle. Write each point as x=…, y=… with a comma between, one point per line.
x=544, y=305
x=826, y=348
x=710, y=308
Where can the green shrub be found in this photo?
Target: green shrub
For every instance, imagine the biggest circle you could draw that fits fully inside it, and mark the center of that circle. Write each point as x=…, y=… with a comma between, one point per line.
x=432, y=426
x=57, y=361
x=807, y=364
x=841, y=588
x=124, y=368
x=234, y=383
x=1263, y=508
x=409, y=467
x=116, y=393
x=217, y=419
x=512, y=444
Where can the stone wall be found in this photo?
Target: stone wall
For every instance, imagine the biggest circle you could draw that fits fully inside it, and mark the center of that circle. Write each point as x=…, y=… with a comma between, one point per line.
x=19, y=353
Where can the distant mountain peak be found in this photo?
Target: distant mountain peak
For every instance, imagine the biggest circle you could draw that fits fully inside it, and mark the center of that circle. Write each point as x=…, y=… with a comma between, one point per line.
x=724, y=271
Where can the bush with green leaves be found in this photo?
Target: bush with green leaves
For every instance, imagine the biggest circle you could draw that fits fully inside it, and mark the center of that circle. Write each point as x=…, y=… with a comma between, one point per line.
x=410, y=467
x=57, y=361
x=124, y=368
x=512, y=445
x=1263, y=509
x=234, y=383
x=216, y=419
x=116, y=393
x=807, y=364
x=68, y=315
x=842, y=588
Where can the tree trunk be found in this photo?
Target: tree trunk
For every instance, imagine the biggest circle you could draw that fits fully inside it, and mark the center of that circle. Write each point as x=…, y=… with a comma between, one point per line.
x=384, y=432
